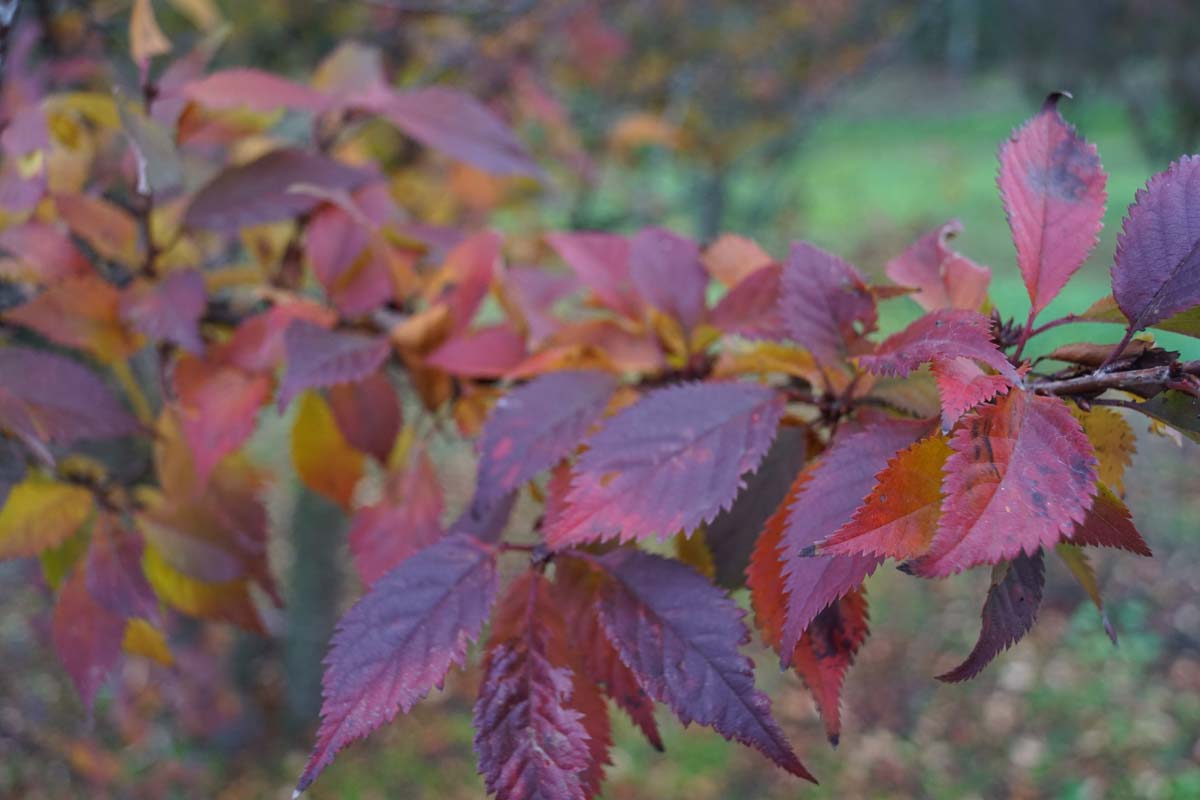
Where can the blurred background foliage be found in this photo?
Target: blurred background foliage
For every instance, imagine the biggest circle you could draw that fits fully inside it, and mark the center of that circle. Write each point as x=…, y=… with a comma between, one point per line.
x=857, y=124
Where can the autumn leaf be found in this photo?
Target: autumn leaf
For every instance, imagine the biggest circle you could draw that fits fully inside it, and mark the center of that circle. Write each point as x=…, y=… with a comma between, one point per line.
x=601, y=261
x=113, y=572
x=731, y=259
x=900, y=515
x=537, y=425
x=1052, y=186
x=680, y=636
x=253, y=89
x=1076, y=560
x=324, y=460
x=1008, y=614
x=667, y=272
x=258, y=343
x=962, y=385
x=368, y=414
x=751, y=308
x=399, y=641
x=1109, y=524
x=407, y=520
x=87, y=637
x=146, y=39
x=532, y=732
x=41, y=513
x=939, y=336
x=826, y=652
x=170, y=310
x=1156, y=268
x=320, y=358
x=82, y=313
x=226, y=601
x=1113, y=442
x=640, y=472
x=1021, y=476
x=826, y=305
x=111, y=231
x=942, y=277
x=834, y=487
x=489, y=352
x=218, y=408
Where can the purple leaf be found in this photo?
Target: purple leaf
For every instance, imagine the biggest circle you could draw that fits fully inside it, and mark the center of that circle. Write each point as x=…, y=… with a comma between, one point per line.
x=536, y=426
x=531, y=728
x=317, y=357
x=87, y=637
x=837, y=485
x=368, y=414
x=253, y=89
x=669, y=462
x=667, y=271
x=399, y=641
x=64, y=400
x=453, y=123
x=1008, y=614
x=260, y=191
x=114, y=573
x=170, y=310
x=827, y=306
x=680, y=635
x=1052, y=185
x=1156, y=270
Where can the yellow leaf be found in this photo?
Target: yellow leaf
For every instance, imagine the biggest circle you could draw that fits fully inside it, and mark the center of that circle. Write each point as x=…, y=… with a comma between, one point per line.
x=1113, y=440
x=324, y=460
x=39, y=514
x=693, y=551
x=228, y=601
x=143, y=639
x=146, y=39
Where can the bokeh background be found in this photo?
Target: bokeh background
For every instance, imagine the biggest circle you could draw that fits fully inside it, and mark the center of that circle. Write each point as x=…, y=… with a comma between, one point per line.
x=857, y=124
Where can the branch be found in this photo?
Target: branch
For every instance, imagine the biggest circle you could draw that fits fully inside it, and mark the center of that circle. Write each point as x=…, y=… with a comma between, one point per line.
x=1098, y=382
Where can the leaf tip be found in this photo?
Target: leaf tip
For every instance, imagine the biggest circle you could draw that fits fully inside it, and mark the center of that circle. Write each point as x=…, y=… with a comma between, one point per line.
x=834, y=739
x=1051, y=103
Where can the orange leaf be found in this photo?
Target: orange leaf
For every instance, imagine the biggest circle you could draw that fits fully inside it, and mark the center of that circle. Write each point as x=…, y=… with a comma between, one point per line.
x=80, y=312
x=110, y=230
x=324, y=460
x=900, y=516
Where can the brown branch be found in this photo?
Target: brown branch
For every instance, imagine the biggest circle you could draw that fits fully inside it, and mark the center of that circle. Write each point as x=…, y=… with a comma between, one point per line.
x=1097, y=382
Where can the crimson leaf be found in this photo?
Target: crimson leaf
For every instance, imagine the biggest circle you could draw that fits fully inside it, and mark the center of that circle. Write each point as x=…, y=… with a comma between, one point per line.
x=826, y=304
x=537, y=425
x=1022, y=475
x=942, y=277
x=407, y=520
x=826, y=652
x=368, y=414
x=399, y=640
x=317, y=357
x=1008, y=614
x=531, y=729
x=680, y=635
x=751, y=308
x=601, y=260
x=87, y=637
x=938, y=336
x=1156, y=269
x=641, y=474
x=1109, y=524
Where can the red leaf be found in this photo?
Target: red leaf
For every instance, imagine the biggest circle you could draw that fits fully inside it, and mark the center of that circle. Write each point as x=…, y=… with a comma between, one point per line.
x=938, y=336
x=1022, y=475
x=218, y=407
x=835, y=487
x=531, y=719
x=41, y=253
x=368, y=414
x=577, y=588
x=260, y=191
x=963, y=385
x=170, y=310
x=826, y=304
x=399, y=641
x=826, y=652
x=1109, y=524
x=317, y=357
x=472, y=265
x=942, y=277
x=258, y=345
x=87, y=637
x=485, y=353
x=350, y=257
x=536, y=426
x=61, y=398
x=407, y=520
x=535, y=291
x=751, y=308
x=1156, y=269
x=255, y=90
x=898, y=519
x=453, y=123
x=680, y=636
x=1052, y=185
x=668, y=273
x=669, y=462
x=113, y=571
x=1008, y=614
x=601, y=260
